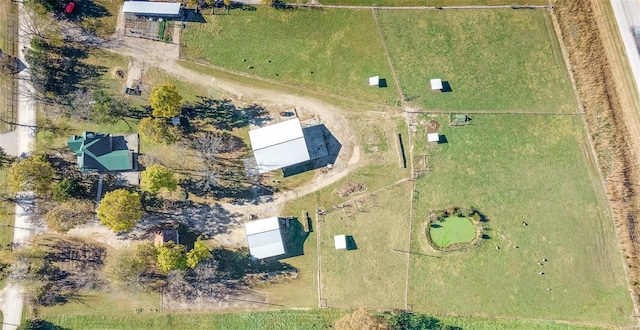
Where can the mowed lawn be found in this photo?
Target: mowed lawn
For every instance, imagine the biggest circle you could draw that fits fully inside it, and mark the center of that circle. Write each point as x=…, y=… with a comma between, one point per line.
x=493, y=60
x=517, y=169
x=452, y=230
x=329, y=50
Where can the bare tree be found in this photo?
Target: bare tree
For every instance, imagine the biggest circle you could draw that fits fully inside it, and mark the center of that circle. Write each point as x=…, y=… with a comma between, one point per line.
x=209, y=146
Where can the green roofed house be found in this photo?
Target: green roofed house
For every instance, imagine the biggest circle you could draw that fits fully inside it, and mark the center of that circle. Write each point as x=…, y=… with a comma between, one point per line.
x=98, y=152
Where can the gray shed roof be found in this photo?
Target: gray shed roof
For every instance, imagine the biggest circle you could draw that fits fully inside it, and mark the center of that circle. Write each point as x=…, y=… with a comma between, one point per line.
x=280, y=145
x=264, y=237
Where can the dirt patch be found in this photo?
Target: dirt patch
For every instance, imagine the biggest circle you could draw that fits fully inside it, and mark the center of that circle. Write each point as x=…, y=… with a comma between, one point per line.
x=134, y=73
x=350, y=188
x=612, y=139
x=118, y=73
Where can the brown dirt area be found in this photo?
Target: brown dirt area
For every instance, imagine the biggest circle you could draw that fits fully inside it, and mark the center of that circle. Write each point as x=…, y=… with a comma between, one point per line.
x=610, y=108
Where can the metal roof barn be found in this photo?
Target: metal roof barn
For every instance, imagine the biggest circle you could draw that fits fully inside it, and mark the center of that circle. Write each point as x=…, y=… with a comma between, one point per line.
x=264, y=237
x=280, y=145
x=145, y=8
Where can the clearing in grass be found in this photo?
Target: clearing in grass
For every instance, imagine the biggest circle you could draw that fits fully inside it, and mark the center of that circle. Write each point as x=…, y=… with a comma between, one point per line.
x=329, y=50
x=549, y=247
x=492, y=60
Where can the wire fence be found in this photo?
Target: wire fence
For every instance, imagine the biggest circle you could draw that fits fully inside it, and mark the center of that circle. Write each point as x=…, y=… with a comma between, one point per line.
x=9, y=115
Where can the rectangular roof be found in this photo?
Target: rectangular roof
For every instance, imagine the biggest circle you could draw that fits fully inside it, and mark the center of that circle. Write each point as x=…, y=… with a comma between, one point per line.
x=151, y=8
x=260, y=226
x=280, y=145
x=264, y=238
x=275, y=134
x=281, y=155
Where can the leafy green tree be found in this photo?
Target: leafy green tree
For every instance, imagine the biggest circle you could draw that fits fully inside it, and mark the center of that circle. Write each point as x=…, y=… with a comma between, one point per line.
x=171, y=257
x=120, y=209
x=69, y=214
x=156, y=177
x=34, y=173
x=403, y=320
x=66, y=189
x=199, y=252
x=211, y=3
x=165, y=100
x=157, y=130
x=133, y=269
x=106, y=110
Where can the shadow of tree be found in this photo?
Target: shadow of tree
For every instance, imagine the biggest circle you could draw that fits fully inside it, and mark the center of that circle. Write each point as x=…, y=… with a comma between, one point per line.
x=87, y=9
x=235, y=264
x=223, y=114
x=202, y=219
x=60, y=70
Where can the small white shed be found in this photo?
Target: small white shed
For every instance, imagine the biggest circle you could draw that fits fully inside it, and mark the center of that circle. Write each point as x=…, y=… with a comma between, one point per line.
x=436, y=84
x=374, y=81
x=264, y=238
x=340, y=242
x=433, y=137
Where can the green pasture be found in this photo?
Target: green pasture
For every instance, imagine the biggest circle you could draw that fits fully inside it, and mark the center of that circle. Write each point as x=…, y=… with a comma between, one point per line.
x=432, y=3
x=333, y=51
x=493, y=60
x=519, y=169
x=369, y=273
x=452, y=230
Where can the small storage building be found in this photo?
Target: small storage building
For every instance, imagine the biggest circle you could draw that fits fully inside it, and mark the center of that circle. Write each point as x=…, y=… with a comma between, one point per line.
x=151, y=9
x=264, y=238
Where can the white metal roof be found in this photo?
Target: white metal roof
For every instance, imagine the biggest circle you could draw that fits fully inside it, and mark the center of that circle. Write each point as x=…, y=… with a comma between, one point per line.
x=281, y=155
x=280, y=145
x=436, y=84
x=151, y=8
x=260, y=226
x=340, y=241
x=374, y=81
x=275, y=134
x=433, y=137
x=264, y=238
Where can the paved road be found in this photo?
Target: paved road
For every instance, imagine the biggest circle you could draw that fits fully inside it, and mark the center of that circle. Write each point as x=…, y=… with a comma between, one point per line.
x=627, y=14
x=23, y=227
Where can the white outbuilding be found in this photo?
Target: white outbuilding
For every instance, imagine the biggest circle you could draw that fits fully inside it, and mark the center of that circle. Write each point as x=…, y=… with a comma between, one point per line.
x=151, y=9
x=264, y=238
x=436, y=84
x=433, y=137
x=340, y=242
x=374, y=81
x=281, y=145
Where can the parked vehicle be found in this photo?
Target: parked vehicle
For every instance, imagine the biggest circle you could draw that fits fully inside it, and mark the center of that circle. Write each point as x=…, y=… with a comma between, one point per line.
x=69, y=8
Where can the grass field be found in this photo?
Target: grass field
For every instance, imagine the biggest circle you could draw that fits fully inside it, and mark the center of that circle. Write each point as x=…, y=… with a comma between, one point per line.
x=513, y=169
x=431, y=3
x=334, y=51
x=493, y=60
x=371, y=273
x=452, y=230
x=6, y=212
x=284, y=319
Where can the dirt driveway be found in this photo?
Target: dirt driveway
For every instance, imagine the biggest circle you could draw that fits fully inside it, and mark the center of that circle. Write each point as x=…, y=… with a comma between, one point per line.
x=148, y=54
